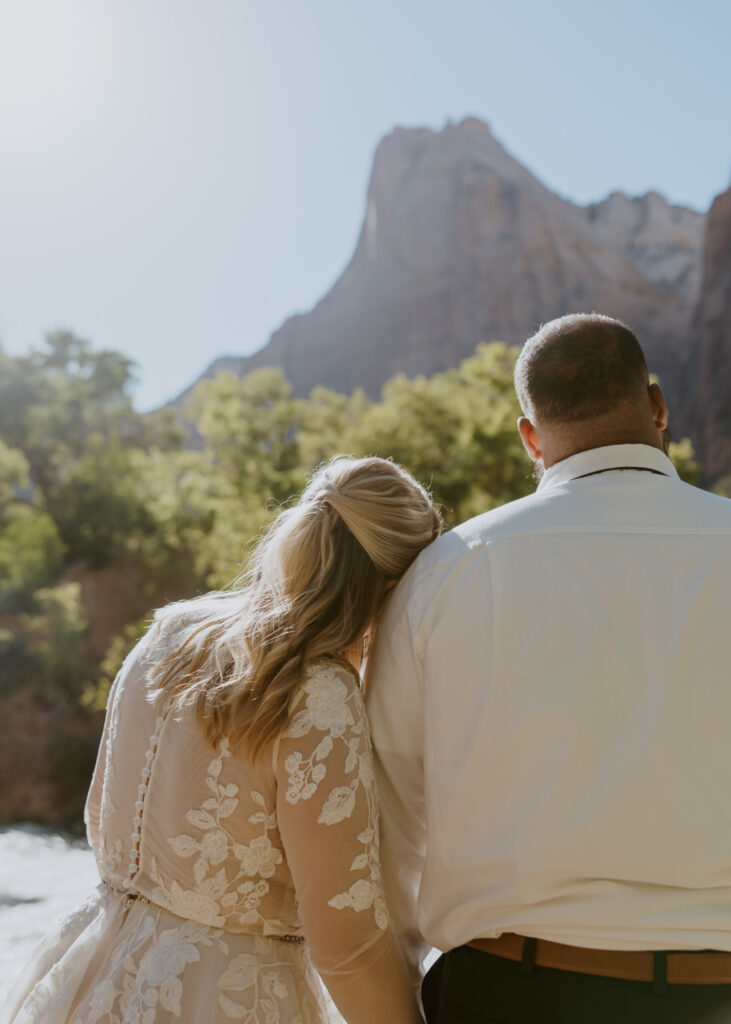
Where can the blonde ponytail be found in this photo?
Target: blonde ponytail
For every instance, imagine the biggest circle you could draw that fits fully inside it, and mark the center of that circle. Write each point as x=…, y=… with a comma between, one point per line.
x=317, y=582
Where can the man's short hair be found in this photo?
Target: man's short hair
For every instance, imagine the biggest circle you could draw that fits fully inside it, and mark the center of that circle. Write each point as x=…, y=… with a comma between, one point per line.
x=579, y=366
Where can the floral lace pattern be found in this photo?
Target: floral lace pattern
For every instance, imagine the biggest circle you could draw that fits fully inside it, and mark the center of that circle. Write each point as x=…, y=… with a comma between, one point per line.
x=140, y=982
x=334, y=709
x=191, y=930
x=144, y=977
x=230, y=877
x=256, y=986
x=51, y=992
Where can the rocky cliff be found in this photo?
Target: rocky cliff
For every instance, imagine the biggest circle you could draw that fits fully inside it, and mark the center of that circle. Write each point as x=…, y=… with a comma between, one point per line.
x=460, y=244
x=709, y=365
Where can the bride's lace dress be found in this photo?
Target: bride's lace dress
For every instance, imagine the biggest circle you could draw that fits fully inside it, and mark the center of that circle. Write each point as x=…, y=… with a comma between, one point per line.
x=214, y=869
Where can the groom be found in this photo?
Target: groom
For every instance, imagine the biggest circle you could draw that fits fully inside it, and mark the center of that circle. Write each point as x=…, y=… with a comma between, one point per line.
x=550, y=701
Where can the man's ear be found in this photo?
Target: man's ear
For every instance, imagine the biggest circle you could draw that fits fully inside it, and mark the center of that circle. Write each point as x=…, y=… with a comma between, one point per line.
x=658, y=407
x=529, y=438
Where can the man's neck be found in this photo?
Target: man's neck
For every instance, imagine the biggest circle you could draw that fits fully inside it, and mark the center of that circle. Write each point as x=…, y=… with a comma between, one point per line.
x=563, y=448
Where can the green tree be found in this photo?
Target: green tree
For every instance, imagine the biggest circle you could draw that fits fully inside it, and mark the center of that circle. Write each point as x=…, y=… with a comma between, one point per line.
x=30, y=547
x=683, y=458
x=328, y=421
x=45, y=645
x=250, y=428
x=66, y=408
x=86, y=482
x=96, y=695
x=455, y=431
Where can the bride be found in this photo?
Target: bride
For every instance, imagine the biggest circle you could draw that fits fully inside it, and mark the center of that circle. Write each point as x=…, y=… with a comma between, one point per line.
x=232, y=811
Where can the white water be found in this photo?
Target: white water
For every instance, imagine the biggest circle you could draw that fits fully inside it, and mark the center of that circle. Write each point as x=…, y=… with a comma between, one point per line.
x=42, y=876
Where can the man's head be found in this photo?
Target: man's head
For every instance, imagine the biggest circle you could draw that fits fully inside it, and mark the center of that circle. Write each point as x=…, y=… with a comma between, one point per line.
x=582, y=383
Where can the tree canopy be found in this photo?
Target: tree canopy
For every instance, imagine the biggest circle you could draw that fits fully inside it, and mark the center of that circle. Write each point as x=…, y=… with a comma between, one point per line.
x=106, y=513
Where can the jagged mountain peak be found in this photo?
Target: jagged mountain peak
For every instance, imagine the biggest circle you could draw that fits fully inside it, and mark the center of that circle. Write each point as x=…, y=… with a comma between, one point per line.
x=406, y=153
x=461, y=243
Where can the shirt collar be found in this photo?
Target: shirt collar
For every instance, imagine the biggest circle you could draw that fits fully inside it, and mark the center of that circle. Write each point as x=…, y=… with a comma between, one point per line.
x=612, y=456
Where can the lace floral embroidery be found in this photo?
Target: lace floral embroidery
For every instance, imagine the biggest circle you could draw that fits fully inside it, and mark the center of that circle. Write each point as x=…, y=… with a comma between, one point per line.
x=146, y=972
x=51, y=993
x=147, y=978
x=223, y=897
x=333, y=708
x=47, y=996
x=258, y=986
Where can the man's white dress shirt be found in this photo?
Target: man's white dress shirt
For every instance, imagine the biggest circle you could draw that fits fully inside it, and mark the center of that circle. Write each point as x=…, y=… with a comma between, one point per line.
x=550, y=704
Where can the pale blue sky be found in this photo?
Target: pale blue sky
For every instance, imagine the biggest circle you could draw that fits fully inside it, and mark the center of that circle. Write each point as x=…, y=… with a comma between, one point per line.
x=178, y=176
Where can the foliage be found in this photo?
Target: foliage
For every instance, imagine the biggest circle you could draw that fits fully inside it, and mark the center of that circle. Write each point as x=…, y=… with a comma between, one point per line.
x=45, y=643
x=96, y=695
x=328, y=420
x=455, y=431
x=87, y=485
x=681, y=454
x=30, y=548
x=53, y=631
x=250, y=427
x=66, y=412
x=723, y=486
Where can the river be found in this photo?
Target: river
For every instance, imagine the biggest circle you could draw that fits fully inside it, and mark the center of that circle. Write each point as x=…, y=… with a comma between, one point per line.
x=42, y=875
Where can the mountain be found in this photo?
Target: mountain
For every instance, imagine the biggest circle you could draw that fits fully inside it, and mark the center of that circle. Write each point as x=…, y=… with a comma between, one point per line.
x=709, y=368
x=460, y=244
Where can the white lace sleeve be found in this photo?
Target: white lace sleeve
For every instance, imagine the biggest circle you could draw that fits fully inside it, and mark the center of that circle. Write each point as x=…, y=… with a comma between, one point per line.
x=95, y=796
x=93, y=806
x=97, y=800
x=327, y=811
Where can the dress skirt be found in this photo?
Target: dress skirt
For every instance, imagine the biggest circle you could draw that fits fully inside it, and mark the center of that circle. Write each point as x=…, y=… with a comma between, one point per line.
x=123, y=960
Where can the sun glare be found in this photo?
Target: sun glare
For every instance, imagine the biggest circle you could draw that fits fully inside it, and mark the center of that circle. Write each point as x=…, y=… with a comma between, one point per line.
x=42, y=56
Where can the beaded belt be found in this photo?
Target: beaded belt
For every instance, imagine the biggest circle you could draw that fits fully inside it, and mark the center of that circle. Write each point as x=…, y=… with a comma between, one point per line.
x=131, y=895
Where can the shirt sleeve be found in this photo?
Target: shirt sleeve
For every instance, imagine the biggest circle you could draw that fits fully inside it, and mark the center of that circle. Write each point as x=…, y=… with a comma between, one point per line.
x=394, y=698
x=327, y=812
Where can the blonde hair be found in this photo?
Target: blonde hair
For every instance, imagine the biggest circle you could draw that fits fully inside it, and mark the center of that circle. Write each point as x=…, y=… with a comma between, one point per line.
x=317, y=581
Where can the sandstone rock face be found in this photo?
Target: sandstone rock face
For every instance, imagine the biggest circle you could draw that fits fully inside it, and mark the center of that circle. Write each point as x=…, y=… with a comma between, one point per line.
x=461, y=244
x=709, y=368
x=657, y=237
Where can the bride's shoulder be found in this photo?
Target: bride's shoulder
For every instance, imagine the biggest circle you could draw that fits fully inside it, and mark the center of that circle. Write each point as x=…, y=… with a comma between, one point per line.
x=328, y=680
x=171, y=622
x=192, y=609
x=328, y=699
x=330, y=671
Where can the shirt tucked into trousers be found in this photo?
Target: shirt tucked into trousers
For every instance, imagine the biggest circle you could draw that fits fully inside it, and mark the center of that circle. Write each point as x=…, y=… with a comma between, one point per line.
x=550, y=705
